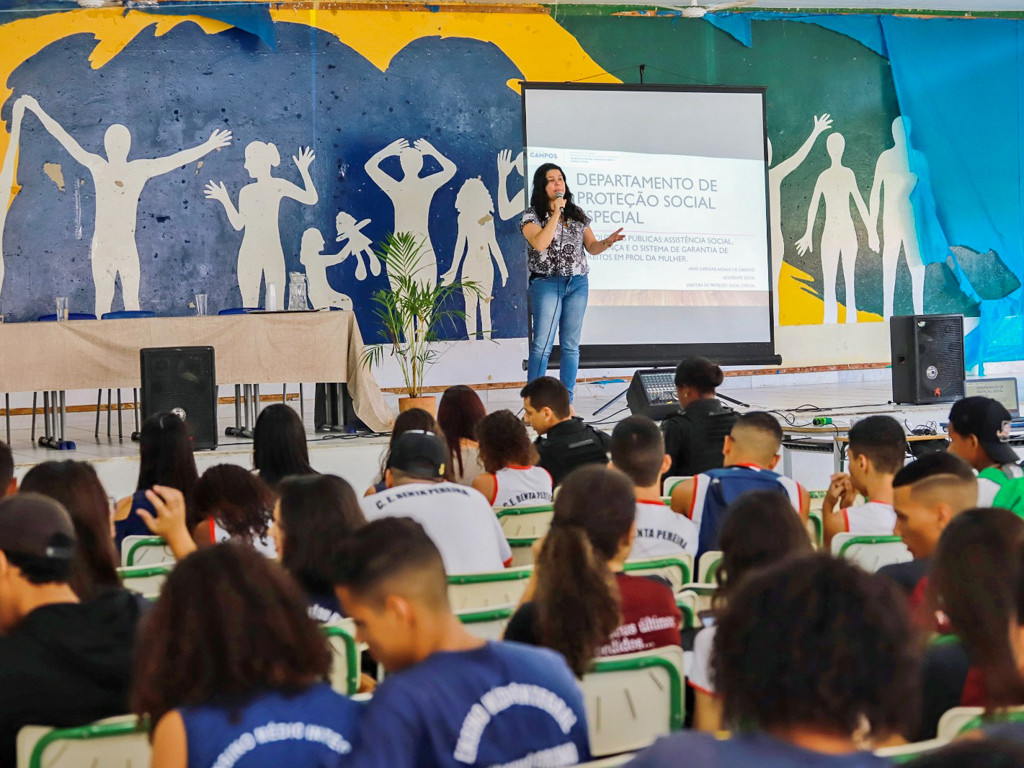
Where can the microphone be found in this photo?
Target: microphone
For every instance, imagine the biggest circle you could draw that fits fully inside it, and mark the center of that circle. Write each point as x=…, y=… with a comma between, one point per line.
x=559, y=196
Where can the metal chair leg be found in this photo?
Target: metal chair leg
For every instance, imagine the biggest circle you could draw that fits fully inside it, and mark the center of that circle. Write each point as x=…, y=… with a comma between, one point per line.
x=120, y=424
x=99, y=409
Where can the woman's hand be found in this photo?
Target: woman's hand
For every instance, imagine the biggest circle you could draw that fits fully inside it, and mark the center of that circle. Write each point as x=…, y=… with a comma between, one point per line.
x=169, y=521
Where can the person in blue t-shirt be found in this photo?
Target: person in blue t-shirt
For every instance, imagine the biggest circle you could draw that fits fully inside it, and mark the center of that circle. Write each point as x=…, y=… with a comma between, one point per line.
x=813, y=658
x=230, y=669
x=450, y=699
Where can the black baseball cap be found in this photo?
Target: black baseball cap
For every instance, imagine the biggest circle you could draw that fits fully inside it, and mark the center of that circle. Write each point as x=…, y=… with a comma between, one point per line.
x=419, y=454
x=36, y=525
x=989, y=421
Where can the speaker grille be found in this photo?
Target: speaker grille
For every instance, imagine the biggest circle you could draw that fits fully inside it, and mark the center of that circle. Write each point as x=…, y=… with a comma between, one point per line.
x=185, y=378
x=927, y=358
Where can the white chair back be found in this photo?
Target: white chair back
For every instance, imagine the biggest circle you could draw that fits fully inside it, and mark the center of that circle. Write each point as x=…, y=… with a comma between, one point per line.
x=525, y=522
x=345, y=655
x=479, y=591
x=676, y=570
x=145, y=550
x=912, y=750
x=698, y=597
x=147, y=580
x=954, y=721
x=708, y=564
x=522, y=552
x=870, y=552
x=670, y=482
x=633, y=699
x=489, y=624
x=116, y=741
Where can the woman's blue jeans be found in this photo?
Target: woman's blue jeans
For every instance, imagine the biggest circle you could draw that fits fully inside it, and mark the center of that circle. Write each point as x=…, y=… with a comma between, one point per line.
x=557, y=304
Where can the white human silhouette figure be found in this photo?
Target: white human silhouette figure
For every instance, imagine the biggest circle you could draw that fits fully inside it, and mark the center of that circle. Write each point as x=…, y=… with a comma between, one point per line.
x=509, y=207
x=412, y=195
x=261, y=254
x=119, y=182
x=475, y=245
x=893, y=183
x=7, y=175
x=316, y=262
x=357, y=244
x=836, y=185
x=776, y=176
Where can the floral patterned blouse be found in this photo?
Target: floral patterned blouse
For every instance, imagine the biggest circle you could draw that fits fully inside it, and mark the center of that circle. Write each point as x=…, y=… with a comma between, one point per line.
x=566, y=255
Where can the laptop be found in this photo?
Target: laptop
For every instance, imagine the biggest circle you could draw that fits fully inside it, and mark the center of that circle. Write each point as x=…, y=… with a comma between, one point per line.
x=1002, y=389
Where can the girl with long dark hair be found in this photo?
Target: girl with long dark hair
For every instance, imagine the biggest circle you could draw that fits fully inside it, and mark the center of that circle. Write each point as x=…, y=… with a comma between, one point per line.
x=460, y=410
x=559, y=238
x=581, y=604
x=279, y=445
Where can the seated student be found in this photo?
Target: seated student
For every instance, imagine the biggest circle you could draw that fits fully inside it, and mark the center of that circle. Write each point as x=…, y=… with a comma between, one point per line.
x=638, y=451
x=812, y=658
x=450, y=699
x=750, y=454
x=974, y=580
x=231, y=669
x=759, y=531
x=927, y=495
x=458, y=413
x=313, y=517
x=458, y=519
x=414, y=419
x=510, y=478
x=165, y=458
x=877, y=451
x=62, y=662
x=979, y=432
x=232, y=503
x=581, y=604
x=564, y=441
x=279, y=447
x=694, y=436
x=8, y=482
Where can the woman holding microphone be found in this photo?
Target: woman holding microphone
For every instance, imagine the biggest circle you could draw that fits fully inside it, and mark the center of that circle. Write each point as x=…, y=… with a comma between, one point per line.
x=559, y=238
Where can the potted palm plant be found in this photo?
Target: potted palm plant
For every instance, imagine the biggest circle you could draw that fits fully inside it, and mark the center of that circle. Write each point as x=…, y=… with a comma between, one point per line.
x=411, y=313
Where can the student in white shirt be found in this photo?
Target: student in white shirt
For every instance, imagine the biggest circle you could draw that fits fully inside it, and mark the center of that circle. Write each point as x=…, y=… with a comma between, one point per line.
x=510, y=478
x=877, y=451
x=638, y=451
x=458, y=519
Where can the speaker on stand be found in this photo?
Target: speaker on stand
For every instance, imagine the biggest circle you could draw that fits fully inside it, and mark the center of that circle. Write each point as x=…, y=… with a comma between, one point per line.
x=927, y=358
x=182, y=380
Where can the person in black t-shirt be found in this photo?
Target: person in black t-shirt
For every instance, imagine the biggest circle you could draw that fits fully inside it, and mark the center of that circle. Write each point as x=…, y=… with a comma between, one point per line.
x=694, y=436
x=565, y=442
x=62, y=662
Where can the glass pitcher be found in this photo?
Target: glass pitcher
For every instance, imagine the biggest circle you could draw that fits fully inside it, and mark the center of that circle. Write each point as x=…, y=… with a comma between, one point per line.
x=297, y=292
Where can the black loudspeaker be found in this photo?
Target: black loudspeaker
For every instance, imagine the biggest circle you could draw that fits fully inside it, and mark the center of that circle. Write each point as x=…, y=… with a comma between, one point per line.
x=652, y=393
x=927, y=358
x=182, y=379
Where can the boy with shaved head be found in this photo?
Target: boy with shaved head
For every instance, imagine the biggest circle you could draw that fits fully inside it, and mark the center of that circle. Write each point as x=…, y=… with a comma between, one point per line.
x=450, y=699
x=750, y=455
x=927, y=494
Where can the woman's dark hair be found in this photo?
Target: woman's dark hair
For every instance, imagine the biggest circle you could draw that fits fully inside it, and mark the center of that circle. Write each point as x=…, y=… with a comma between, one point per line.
x=974, y=581
x=577, y=601
x=760, y=529
x=504, y=442
x=414, y=419
x=458, y=414
x=316, y=515
x=229, y=623
x=699, y=373
x=239, y=501
x=816, y=641
x=165, y=455
x=539, y=197
x=279, y=445
x=75, y=485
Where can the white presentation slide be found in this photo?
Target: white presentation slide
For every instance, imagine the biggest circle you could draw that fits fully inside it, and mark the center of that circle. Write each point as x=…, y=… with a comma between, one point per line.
x=683, y=172
x=692, y=223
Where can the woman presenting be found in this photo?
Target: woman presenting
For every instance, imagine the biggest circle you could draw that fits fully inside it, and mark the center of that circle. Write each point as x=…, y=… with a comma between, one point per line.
x=559, y=237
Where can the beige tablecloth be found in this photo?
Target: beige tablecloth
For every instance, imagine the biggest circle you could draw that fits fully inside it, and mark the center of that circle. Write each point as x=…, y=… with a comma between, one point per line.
x=252, y=348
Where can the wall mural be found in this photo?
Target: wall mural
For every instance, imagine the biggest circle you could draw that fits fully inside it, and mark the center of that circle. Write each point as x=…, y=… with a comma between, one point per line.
x=146, y=158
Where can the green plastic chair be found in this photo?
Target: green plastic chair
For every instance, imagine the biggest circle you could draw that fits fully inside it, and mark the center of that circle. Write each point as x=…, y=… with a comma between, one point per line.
x=481, y=591
x=676, y=570
x=117, y=741
x=346, y=655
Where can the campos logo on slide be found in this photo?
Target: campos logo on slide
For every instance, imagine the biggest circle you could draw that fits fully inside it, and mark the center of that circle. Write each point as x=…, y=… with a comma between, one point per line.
x=536, y=155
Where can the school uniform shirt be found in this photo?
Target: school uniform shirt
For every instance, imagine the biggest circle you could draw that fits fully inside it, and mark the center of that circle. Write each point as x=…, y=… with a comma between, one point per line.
x=458, y=520
x=660, y=532
x=650, y=618
x=312, y=728
x=521, y=486
x=265, y=546
x=703, y=750
x=499, y=704
x=873, y=518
